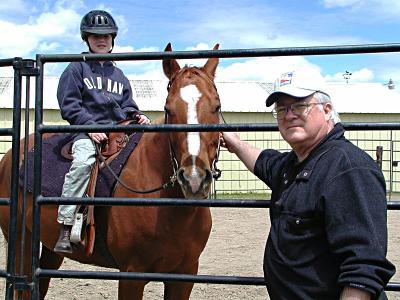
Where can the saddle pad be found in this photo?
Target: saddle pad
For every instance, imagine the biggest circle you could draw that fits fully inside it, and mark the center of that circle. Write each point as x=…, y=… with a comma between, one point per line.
x=55, y=166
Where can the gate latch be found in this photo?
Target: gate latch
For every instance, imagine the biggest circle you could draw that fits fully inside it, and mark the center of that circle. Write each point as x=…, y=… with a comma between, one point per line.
x=20, y=282
x=26, y=67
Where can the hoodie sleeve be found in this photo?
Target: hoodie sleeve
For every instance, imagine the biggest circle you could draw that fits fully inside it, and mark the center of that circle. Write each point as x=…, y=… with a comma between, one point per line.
x=69, y=95
x=129, y=105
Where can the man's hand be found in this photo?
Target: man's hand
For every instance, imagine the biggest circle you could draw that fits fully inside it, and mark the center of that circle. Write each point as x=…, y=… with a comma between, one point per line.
x=230, y=141
x=247, y=153
x=350, y=293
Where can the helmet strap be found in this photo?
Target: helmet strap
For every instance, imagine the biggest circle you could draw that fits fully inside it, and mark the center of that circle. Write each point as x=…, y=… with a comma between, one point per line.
x=112, y=45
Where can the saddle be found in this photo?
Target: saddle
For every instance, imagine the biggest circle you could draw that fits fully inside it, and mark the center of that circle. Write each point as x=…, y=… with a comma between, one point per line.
x=83, y=230
x=107, y=150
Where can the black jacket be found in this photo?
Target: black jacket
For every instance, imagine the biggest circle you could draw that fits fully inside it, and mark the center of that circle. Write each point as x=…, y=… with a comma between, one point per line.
x=328, y=221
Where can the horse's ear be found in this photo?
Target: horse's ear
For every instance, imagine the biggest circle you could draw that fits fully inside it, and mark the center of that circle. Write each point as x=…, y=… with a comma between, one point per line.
x=211, y=65
x=170, y=66
x=168, y=47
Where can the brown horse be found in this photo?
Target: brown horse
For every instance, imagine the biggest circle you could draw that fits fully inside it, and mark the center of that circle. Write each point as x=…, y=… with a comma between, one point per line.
x=152, y=238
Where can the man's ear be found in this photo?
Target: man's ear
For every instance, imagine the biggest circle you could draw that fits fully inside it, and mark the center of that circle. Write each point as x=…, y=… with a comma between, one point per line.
x=328, y=109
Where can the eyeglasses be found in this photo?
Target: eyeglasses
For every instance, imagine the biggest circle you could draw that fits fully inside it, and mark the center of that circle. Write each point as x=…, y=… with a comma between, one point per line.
x=298, y=109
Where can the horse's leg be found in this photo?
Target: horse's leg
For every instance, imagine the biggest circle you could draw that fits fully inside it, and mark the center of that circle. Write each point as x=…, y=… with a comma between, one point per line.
x=131, y=289
x=48, y=260
x=177, y=290
x=27, y=261
x=180, y=290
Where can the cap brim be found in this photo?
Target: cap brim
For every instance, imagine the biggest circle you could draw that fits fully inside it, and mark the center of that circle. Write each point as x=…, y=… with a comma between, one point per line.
x=290, y=91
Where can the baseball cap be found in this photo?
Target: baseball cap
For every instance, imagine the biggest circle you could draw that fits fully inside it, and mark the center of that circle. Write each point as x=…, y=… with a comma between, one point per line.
x=298, y=84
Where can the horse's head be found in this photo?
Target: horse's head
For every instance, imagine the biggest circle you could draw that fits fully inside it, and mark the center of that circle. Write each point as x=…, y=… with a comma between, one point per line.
x=193, y=99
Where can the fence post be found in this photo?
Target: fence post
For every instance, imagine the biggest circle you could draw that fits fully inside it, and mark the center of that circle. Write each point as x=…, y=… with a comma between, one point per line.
x=12, y=230
x=379, y=155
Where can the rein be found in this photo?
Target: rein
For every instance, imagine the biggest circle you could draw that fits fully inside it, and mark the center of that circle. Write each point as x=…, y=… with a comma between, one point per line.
x=166, y=185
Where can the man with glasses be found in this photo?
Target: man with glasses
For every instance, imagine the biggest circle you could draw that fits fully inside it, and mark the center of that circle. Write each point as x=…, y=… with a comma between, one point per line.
x=328, y=236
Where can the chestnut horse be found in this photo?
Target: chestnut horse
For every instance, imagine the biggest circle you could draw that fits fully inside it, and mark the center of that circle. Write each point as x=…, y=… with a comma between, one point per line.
x=151, y=238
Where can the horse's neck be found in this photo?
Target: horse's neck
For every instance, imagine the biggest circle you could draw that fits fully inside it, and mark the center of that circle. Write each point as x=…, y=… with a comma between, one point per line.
x=149, y=167
x=150, y=161
x=158, y=149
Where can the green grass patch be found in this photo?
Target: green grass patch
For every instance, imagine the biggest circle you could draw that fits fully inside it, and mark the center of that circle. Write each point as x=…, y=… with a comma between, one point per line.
x=244, y=196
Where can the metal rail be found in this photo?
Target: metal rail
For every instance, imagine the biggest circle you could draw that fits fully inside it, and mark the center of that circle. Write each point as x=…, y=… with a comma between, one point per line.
x=4, y=201
x=161, y=277
x=249, y=203
x=6, y=131
x=229, y=53
x=233, y=53
x=197, y=127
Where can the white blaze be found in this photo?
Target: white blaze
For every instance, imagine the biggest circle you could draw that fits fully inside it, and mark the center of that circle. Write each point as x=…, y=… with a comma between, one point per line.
x=191, y=95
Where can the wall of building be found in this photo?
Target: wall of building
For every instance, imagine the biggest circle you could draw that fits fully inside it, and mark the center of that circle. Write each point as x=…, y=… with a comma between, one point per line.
x=235, y=177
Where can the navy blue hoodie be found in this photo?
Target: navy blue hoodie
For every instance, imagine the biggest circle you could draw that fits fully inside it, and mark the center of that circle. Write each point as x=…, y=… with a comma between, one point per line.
x=92, y=93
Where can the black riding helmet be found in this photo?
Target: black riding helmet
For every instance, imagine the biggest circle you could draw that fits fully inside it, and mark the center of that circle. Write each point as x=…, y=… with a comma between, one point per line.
x=98, y=22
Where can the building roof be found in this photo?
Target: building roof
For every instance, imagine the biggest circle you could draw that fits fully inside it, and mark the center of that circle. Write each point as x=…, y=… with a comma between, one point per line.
x=364, y=98
x=235, y=96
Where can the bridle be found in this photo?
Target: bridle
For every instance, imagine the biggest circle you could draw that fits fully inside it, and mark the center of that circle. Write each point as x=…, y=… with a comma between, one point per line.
x=216, y=173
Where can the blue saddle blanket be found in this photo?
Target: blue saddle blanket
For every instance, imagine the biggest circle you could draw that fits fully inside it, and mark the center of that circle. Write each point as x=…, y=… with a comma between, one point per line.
x=55, y=166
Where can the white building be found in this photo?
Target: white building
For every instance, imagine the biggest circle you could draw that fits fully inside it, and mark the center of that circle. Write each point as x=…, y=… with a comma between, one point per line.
x=244, y=102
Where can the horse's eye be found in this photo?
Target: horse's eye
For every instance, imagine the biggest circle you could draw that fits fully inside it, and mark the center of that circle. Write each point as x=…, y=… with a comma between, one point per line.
x=217, y=108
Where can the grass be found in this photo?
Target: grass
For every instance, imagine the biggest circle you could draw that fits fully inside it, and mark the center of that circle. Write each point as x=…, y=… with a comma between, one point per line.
x=244, y=196
x=395, y=196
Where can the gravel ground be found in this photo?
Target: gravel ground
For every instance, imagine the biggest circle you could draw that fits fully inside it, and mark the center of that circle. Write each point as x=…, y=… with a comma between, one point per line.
x=235, y=248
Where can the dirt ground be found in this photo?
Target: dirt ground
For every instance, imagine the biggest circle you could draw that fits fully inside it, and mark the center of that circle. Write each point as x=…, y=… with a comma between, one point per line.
x=235, y=247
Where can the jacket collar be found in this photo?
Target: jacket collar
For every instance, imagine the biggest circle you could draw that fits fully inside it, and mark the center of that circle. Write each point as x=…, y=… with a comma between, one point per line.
x=337, y=132
x=94, y=63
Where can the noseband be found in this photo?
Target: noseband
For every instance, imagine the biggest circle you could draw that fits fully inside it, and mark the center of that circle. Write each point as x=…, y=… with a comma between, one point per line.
x=216, y=173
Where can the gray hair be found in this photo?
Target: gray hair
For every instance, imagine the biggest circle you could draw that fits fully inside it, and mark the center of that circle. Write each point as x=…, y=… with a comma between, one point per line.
x=324, y=98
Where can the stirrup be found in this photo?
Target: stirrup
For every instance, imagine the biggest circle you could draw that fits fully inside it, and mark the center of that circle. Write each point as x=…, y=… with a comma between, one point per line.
x=77, y=231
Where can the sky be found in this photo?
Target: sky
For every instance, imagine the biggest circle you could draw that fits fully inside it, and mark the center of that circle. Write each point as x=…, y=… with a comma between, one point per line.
x=31, y=27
